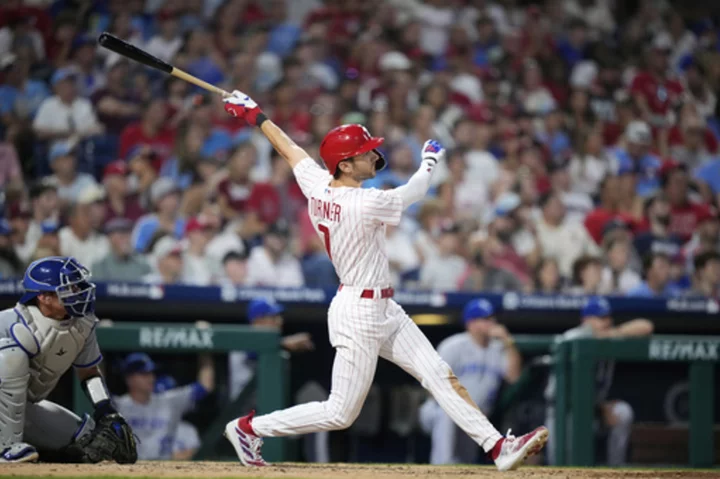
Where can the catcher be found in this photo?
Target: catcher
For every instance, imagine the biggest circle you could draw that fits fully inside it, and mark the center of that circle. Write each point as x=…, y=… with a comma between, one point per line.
x=50, y=329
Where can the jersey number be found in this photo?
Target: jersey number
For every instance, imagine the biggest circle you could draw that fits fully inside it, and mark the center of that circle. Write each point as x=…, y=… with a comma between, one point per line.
x=326, y=236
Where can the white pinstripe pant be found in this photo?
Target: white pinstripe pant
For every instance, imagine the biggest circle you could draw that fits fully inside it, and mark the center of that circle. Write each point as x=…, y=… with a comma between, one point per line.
x=360, y=331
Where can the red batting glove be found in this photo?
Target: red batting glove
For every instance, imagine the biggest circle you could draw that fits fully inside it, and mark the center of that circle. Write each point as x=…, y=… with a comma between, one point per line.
x=240, y=105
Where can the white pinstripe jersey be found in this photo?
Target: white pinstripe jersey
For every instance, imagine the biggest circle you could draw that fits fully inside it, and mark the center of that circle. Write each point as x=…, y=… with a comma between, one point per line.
x=351, y=222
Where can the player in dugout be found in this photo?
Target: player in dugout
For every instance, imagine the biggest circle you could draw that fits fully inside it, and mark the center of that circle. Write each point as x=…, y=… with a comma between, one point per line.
x=155, y=416
x=364, y=322
x=613, y=416
x=482, y=357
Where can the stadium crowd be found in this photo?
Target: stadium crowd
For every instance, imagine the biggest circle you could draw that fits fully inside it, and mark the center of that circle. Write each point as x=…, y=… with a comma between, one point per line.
x=582, y=140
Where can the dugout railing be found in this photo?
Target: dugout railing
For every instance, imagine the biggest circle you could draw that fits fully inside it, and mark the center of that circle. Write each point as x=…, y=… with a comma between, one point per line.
x=574, y=367
x=271, y=373
x=573, y=363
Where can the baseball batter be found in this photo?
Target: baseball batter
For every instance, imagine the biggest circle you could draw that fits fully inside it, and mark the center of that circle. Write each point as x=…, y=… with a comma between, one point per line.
x=364, y=322
x=51, y=329
x=482, y=357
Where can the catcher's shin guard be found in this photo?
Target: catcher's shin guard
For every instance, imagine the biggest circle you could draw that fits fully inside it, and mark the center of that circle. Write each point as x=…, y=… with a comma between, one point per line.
x=14, y=377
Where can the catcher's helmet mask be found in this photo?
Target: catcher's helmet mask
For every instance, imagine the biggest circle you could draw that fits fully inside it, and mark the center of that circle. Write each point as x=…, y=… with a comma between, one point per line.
x=64, y=276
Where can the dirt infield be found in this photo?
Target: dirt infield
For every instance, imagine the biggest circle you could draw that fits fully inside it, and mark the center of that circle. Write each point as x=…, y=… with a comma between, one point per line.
x=327, y=471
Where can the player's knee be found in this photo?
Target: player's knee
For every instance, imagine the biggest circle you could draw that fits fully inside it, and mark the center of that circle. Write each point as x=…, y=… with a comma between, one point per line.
x=340, y=414
x=623, y=413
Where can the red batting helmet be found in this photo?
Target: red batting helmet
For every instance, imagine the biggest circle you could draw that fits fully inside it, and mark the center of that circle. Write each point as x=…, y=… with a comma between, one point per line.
x=345, y=141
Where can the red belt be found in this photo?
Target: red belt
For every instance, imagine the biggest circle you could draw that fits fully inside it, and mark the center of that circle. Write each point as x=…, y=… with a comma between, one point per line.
x=370, y=293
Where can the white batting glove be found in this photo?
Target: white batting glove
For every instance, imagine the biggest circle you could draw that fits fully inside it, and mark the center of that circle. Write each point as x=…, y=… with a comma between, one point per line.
x=241, y=99
x=240, y=105
x=433, y=152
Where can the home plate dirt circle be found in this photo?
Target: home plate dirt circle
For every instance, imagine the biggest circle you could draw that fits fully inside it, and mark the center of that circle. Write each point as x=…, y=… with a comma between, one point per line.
x=325, y=471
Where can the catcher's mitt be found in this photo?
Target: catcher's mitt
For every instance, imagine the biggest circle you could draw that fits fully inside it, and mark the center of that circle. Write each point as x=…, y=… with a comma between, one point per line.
x=111, y=440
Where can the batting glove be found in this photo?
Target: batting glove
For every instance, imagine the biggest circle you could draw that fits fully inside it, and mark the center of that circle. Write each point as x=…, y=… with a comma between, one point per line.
x=433, y=152
x=239, y=105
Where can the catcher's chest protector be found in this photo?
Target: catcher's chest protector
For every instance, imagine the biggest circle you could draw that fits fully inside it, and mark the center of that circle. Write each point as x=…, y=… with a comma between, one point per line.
x=60, y=343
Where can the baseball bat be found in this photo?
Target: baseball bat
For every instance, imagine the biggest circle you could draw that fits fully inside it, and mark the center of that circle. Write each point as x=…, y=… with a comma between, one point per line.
x=121, y=47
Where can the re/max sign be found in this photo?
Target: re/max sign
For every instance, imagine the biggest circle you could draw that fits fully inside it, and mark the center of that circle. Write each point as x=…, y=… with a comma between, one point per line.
x=687, y=350
x=176, y=338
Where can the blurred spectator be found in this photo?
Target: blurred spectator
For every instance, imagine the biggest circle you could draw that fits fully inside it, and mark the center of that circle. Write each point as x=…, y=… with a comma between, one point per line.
x=272, y=264
x=656, y=278
x=258, y=204
x=63, y=162
x=20, y=96
x=657, y=239
x=94, y=197
x=617, y=276
x=10, y=264
x=167, y=42
x=165, y=198
x=142, y=165
x=235, y=269
x=152, y=130
x=577, y=204
x=10, y=172
x=197, y=269
x=444, y=271
x=121, y=263
x=607, y=210
x=635, y=158
x=318, y=271
x=65, y=115
x=429, y=219
x=114, y=102
x=705, y=238
x=547, y=279
x=119, y=203
x=708, y=176
x=654, y=91
x=706, y=276
x=685, y=214
x=559, y=239
x=586, y=276
x=90, y=78
x=403, y=258
x=687, y=142
x=78, y=239
x=590, y=165
x=166, y=262
x=45, y=206
x=49, y=242
x=482, y=277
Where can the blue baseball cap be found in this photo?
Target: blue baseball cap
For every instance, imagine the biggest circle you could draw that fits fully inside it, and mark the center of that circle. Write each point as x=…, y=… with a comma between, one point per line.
x=260, y=307
x=138, y=363
x=164, y=383
x=49, y=227
x=597, y=306
x=5, y=228
x=478, y=309
x=62, y=74
x=60, y=148
x=506, y=204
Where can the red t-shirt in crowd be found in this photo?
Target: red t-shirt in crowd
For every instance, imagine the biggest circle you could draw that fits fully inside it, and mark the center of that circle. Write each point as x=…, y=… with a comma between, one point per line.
x=676, y=137
x=133, y=136
x=660, y=94
x=133, y=211
x=685, y=218
x=596, y=220
x=261, y=198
